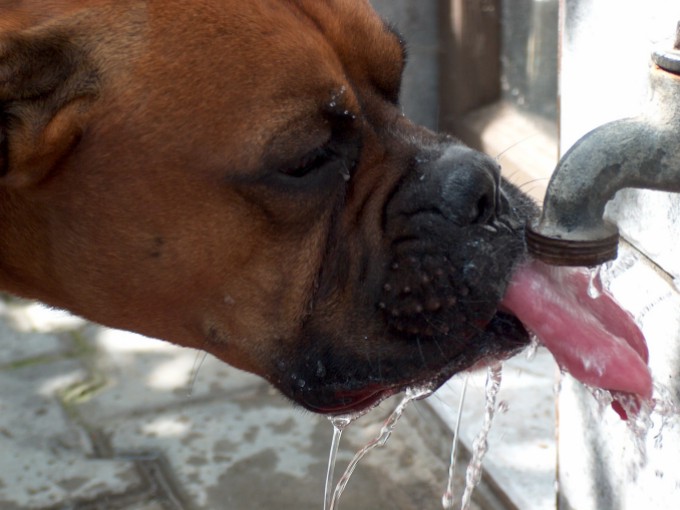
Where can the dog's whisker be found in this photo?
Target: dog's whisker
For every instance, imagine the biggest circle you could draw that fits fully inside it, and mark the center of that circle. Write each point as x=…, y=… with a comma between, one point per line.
x=516, y=144
x=193, y=376
x=439, y=347
x=532, y=181
x=420, y=350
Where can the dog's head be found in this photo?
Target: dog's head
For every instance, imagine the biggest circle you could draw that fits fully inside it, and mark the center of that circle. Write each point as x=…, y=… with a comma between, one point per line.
x=238, y=177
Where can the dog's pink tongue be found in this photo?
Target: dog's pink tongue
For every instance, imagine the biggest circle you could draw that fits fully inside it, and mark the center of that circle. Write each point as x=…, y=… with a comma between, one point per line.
x=593, y=339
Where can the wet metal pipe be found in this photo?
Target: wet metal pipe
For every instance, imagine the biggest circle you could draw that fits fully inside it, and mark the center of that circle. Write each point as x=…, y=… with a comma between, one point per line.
x=641, y=152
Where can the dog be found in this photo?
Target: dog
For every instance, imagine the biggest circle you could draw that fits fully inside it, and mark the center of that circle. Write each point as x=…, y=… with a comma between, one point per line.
x=238, y=177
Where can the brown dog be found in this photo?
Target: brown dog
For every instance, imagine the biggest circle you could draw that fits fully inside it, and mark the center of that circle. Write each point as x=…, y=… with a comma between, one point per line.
x=237, y=176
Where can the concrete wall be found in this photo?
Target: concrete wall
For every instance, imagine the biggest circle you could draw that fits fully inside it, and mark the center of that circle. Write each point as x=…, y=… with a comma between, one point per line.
x=416, y=20
x=605, y=62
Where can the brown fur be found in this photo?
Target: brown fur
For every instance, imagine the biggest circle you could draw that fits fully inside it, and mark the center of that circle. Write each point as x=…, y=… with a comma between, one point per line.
x=141, y=144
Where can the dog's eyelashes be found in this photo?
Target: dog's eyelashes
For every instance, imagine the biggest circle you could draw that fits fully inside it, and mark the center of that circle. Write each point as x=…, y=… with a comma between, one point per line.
x=335, y=158
x=312, y=161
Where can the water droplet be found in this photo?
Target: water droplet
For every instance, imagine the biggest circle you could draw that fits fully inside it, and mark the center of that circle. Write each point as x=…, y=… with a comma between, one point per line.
x=447, y=500
x=664, y=407
x=557, y=387
x=602, y=397
x=320, y=369
x=595, y=283
x=533, y=348
x=418, y=392
x=342, y=421
x=301, y=383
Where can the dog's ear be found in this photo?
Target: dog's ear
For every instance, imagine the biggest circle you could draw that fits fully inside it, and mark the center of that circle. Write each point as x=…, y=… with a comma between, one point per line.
x=47, y=84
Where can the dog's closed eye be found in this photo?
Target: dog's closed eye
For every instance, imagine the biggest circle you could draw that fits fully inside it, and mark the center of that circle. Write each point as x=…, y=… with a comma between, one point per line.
x=312, y=161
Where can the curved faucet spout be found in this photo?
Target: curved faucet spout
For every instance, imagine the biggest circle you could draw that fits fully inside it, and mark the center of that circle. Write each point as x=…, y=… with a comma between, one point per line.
x=641, y=152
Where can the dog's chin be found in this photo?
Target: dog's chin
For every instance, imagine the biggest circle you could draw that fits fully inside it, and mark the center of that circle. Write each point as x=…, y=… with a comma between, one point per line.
x=348, y=401
x=336, y=400
x=339, y=383
x=354, y=400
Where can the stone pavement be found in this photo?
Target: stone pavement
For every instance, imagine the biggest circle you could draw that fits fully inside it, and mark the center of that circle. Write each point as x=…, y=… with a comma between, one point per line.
x=92, y=418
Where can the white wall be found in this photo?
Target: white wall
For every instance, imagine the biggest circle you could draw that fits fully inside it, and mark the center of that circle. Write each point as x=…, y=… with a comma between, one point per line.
x=605, y=62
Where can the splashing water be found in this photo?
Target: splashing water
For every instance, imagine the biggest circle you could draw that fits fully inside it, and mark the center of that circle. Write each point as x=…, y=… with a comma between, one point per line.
x=448, y=497
x=385, y=433
x=532, y=350
x=340, y=423
x=640, y=411
x=641, y=417
x=595, y=283
x=603, y=397
x=666, y=409
x=480, y=445
x=639, y=423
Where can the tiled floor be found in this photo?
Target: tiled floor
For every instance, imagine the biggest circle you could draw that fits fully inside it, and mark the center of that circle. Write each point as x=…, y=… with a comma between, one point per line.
x=95, y=418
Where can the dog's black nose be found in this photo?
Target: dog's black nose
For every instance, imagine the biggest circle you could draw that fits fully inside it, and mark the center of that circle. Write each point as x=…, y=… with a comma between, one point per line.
x=470, y=185
x=452, y=187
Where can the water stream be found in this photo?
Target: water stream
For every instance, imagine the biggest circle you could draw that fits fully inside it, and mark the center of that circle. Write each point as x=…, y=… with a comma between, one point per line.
x=339, y=424
x=595, y=282
x=380, y=440
x=480, y=445
x=643, y=417
x=449, y=494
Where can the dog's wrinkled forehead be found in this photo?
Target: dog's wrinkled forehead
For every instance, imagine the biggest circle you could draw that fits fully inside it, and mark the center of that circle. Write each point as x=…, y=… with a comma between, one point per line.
x=361, y=39
x=292, y=57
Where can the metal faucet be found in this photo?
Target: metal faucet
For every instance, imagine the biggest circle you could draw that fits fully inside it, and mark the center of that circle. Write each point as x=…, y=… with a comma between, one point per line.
x=639, y=152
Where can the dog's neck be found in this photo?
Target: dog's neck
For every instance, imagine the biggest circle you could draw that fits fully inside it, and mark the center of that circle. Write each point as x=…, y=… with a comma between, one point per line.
x=21, y=256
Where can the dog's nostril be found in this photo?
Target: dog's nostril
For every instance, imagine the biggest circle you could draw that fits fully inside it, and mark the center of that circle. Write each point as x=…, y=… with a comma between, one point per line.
x=484, y=209
x=470, y=186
